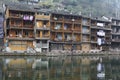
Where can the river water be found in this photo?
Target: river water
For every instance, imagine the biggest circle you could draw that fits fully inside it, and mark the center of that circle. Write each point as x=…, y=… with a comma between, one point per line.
x=60, y=68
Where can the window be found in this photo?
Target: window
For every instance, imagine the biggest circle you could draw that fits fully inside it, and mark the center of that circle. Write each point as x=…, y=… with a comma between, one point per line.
x=45, y=41
x=16, y=32
x=47, y=14
x=44, y=23
x=26, y=33
x=39, y=13
x=38, y=41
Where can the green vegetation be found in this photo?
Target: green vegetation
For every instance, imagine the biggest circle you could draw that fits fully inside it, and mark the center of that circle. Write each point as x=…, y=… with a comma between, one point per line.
x=85, y=7
x=92, y=7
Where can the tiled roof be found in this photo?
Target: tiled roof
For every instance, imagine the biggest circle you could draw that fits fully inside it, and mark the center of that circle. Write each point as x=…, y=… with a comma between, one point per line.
x=21, y=7
x=44, y=10
x=115, y=18
x=100, y=19
x=62, y=12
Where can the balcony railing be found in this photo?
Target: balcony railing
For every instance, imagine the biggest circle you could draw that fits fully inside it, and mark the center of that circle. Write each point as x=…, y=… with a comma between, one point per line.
x=116, y=40
x=41, y=17
x=20, y=38
x=117, y=24
x=45, y=45
x=12, y=15
x=57, y=19
x=20, y=26
x=68, y=20
x=86, y=32
x=42, y=37
x=86, y=24
x=42, y=45
x=67, y=40
x=116, y=33
x=98, y=27
x=43, y=28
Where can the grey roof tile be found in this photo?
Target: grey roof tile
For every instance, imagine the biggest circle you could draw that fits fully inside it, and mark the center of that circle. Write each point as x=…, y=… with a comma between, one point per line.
x=21, y=7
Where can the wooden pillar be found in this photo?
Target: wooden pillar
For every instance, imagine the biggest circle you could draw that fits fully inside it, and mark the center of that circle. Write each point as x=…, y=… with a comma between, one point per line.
x=40, y=34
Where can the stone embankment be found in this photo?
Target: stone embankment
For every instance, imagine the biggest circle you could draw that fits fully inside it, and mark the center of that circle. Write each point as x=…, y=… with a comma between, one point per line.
x=83, y=53
x=63, y=53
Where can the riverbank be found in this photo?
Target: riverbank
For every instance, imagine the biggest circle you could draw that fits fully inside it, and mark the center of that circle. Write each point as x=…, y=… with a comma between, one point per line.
x=63, y=53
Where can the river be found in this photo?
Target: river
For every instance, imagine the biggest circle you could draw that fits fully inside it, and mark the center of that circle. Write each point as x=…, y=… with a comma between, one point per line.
x=60, y=68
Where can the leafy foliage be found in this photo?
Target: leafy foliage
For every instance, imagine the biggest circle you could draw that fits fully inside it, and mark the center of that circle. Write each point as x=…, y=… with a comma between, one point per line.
x=92, y=7
x=86, y=7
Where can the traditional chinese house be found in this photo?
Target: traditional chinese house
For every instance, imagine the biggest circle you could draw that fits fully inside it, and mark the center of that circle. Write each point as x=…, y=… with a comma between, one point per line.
x=100, y=34
x=42, y=31
x=115, y=45
x=19, y=26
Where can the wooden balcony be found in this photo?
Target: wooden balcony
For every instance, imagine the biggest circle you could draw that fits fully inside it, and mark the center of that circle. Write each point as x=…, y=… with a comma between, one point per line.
x=43, y=36
x=108, y=35
x=15, y=24
x=20, y=38
x=86, y=24
x=43, y=28
x=115, y=33
x=86, y=32
x=94, y=41
x=14, y=27
x=42, y=45
x=104, y=28
x=55, y=19
x=87, y=40
x=42, y=17
x=67, y=37
x=31, y=27
x=15, y=15
x=68, y=30
x=58, y=30
x=18, y=14
x=77, y=21
x=54, y=29
x=77, y=28
x=68, y=40
x=58, y=40
x=76, y=37
x=67, y=47
x=20, y=27
x=68, y=21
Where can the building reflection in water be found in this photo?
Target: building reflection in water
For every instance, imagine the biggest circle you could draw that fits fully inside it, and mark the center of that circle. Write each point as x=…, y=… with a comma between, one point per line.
x=57, y=68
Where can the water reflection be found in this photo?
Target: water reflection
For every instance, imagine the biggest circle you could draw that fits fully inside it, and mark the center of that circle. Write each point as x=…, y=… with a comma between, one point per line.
x=58, y=68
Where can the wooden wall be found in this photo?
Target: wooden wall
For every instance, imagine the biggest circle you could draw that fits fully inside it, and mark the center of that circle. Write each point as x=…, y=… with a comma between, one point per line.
x=20, y=45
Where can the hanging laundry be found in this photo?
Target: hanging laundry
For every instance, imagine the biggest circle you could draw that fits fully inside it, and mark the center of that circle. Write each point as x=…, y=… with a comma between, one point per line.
x=31, y=18
x=103, y=41
x=68, y=37
x=99, y=41
x=101, y=33
x=65, y=27
x=26, y=17
x=99, y=67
